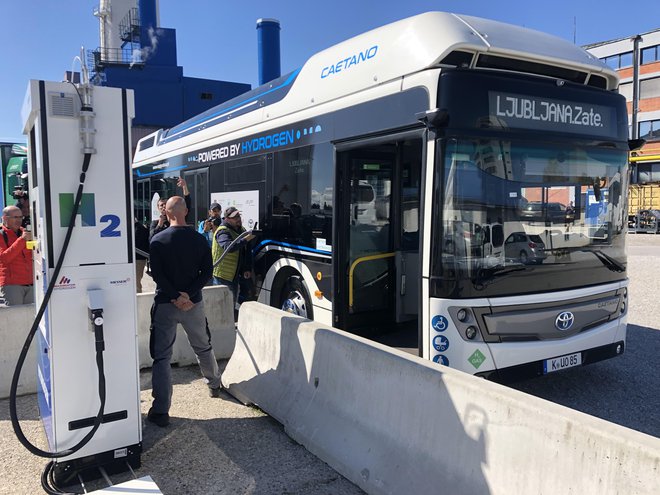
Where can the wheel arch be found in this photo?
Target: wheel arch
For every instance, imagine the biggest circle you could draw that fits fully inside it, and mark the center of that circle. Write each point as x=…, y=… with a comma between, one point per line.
x=276, y=277
x=280, y=280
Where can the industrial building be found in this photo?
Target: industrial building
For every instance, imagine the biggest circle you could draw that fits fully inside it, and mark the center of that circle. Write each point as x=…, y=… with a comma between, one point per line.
x=637, y=60
x=136, y=53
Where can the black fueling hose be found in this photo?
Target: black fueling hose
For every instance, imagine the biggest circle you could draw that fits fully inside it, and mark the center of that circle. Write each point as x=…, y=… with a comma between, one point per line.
x=26, y=347
x=242, y=236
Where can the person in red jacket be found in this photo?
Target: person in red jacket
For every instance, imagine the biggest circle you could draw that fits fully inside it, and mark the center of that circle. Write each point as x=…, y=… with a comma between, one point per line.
x=15, y=260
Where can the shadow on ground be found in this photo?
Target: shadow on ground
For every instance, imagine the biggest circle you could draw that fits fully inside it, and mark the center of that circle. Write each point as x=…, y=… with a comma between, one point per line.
x=602, y=389
x=213, y=446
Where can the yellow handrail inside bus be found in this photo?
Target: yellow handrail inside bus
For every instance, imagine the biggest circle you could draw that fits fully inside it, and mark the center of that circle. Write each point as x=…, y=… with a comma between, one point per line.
x=644, y=158
x=356, y=263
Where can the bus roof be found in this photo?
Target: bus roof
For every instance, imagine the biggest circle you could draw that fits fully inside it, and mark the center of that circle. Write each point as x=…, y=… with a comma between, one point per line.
x=388, y=53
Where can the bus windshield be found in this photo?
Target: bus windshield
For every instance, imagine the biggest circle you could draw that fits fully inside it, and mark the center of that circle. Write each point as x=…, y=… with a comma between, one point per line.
x=523, y=217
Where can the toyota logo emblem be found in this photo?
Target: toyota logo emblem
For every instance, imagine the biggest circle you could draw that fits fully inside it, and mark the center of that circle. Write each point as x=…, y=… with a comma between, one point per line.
x=564, y=320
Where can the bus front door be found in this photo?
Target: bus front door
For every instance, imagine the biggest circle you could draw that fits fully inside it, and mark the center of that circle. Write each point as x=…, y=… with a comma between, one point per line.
x=377, y=222
x=366, y=261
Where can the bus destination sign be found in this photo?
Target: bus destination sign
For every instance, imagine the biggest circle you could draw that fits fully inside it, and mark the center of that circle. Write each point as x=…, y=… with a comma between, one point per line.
x=534, y=112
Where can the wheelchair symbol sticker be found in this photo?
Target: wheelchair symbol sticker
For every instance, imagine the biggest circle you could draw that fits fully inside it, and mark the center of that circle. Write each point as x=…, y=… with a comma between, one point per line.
x=439, y=323
x=441, y=360
x=440, y=343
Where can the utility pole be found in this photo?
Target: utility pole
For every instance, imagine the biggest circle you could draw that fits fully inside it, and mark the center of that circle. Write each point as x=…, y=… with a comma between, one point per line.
x=574, y=30
x=635, y=98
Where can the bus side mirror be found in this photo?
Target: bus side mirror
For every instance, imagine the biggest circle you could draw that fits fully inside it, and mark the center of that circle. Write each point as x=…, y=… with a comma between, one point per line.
x=635, y=144
x=438, y=117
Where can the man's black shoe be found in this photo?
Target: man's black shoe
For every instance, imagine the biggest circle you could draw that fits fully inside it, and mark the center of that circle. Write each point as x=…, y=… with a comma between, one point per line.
x=159, y=419
x=215, y=392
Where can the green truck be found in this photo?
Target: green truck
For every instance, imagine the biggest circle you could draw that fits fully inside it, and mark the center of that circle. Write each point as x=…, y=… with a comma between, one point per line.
x=13, y=157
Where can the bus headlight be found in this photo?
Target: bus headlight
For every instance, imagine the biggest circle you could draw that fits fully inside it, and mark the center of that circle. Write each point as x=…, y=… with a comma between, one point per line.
x=470, y=332
x=462, y=314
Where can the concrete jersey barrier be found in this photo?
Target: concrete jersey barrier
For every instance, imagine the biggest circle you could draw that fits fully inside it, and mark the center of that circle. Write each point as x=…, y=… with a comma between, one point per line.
x=17, y=320
x=393, y=423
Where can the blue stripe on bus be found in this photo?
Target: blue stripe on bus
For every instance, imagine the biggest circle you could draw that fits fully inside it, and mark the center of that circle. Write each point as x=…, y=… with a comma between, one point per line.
x=292, y=246
x=161, y=171
x=222, y=111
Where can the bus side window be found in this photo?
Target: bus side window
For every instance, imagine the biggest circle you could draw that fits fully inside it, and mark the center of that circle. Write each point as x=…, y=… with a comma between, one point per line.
x=322, y=186
x=295, y=200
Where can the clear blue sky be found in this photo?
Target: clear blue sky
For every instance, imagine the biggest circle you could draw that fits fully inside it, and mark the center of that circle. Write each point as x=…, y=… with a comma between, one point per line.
x=217, y=39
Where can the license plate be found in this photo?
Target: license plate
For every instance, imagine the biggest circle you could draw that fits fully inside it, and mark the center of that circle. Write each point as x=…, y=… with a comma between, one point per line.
x=562, y=362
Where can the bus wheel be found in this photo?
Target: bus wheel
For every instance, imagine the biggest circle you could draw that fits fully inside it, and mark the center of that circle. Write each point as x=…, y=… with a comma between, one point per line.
x=295, y=298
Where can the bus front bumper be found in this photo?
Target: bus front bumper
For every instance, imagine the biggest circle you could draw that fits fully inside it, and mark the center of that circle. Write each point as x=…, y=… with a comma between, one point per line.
x=536, y=368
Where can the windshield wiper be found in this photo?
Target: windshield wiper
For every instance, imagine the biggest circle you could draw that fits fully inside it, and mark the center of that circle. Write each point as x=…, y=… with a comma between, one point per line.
x=486, y=276
x=609, y=262
x=606, y=260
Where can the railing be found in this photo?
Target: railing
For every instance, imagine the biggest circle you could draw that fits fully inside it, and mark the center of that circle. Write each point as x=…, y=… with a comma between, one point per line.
x=102, y=57
x=129, y=26
x=351, y=273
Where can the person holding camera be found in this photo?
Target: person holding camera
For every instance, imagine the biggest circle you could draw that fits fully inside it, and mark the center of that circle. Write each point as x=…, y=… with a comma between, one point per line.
x=15, y=260
x=162, y=223
x=22, y=202
x=208, y=226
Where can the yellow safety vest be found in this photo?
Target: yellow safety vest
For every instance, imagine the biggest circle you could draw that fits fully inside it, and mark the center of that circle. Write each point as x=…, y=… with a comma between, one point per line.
x=226, y=269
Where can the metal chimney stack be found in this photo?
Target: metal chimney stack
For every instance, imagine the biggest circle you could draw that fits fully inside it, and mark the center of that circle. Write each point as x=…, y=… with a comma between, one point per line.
x=268, y=46
x=148, y=10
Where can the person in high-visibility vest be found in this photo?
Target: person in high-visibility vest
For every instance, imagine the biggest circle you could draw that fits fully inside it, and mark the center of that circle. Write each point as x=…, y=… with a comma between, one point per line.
x=236, y=262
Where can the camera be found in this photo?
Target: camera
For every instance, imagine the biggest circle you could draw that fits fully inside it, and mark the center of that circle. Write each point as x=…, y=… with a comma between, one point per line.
x=22, y=198
x=216, y=221
x=19, y=194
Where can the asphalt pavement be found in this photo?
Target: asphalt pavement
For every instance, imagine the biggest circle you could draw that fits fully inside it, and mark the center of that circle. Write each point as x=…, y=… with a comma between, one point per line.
x=212, y=446
x=623, y=390
x=220, y=446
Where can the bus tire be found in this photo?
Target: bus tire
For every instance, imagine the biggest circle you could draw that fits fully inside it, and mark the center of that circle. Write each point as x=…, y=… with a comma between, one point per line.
x=295, y=299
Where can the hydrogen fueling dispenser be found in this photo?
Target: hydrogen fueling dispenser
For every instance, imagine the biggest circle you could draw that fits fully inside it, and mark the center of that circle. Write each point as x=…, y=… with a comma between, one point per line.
x=88, y=371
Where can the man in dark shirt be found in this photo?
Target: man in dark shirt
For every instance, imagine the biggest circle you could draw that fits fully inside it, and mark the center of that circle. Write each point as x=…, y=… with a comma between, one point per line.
x=180, y=266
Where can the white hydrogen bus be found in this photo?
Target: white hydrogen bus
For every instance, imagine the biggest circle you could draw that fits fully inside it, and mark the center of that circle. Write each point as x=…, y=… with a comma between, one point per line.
x=446, y=184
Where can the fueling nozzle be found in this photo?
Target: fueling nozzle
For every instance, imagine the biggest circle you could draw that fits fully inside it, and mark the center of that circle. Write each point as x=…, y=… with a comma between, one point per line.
x=95, y=308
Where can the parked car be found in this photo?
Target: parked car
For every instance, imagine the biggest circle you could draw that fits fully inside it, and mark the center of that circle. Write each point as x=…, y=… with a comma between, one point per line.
x=537, y=211
x=528, y=248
